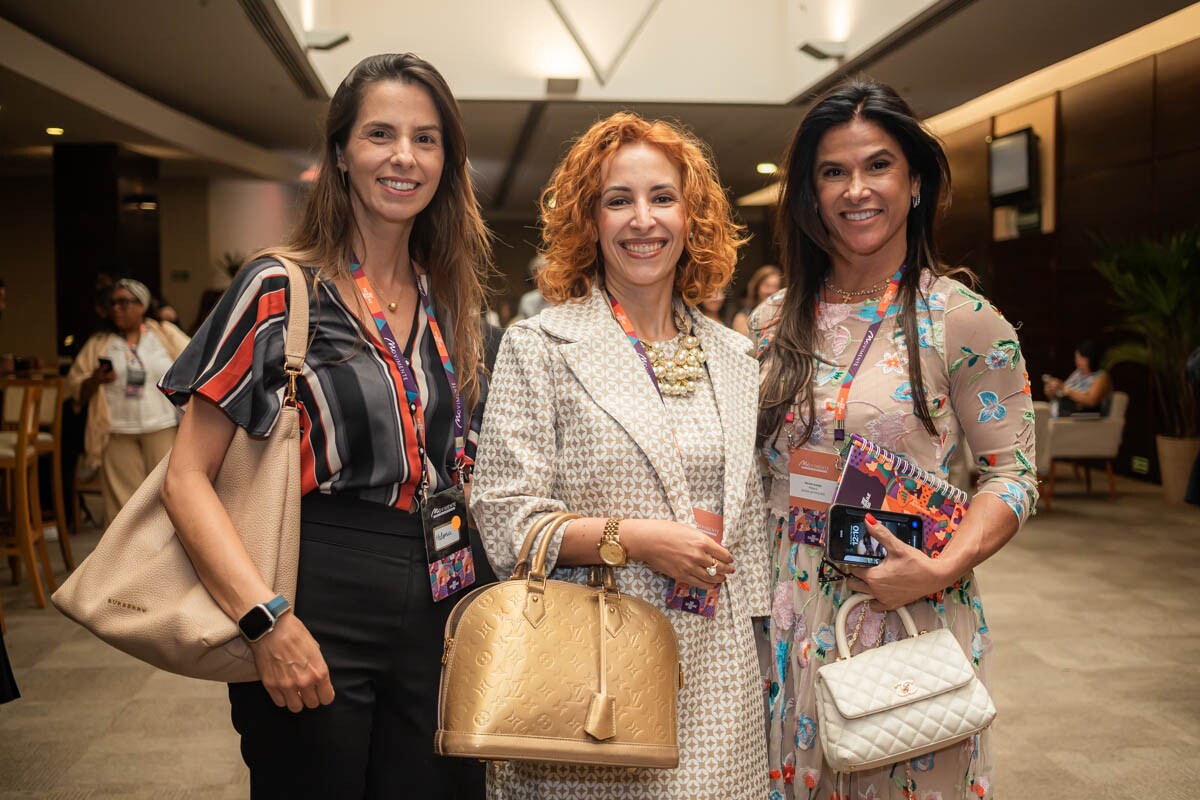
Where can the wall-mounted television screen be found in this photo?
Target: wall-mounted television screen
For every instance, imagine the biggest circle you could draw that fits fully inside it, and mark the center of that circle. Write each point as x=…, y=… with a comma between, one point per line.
x=1013, y=168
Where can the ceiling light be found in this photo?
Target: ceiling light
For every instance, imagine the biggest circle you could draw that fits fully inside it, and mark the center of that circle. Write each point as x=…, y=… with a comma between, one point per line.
x=324, y=40
x=54, y=131
x=824, y=50
x=766, y=168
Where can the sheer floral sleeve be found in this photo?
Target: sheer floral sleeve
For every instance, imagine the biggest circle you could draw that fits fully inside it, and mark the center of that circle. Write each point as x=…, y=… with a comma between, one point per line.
x=990, y=395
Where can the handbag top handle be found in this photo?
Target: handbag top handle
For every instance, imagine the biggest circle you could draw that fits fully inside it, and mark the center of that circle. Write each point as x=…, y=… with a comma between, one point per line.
x=910, y=627
x=551, y=520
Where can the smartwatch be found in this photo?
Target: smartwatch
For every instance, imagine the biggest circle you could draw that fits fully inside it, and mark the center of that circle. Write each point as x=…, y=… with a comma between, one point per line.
x=260, y=619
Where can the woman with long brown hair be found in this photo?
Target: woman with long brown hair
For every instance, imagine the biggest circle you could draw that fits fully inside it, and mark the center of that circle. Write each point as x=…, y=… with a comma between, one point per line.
x=874, y=335
x=390, y=401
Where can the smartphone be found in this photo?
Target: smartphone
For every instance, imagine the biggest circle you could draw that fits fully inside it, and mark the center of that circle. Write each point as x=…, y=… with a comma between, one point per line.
x=847, y=540
x=106, y=364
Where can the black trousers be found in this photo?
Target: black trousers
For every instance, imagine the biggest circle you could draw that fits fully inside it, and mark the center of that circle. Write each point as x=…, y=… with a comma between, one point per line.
x=363, y=592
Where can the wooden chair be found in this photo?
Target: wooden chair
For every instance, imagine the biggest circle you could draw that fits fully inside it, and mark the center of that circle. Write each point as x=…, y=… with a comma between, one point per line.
x=48, y=443
x=18, y=462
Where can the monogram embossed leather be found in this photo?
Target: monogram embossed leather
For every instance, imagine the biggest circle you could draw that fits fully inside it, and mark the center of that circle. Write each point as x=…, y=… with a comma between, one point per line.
x=897, y=701
x=560, y=684
x=138, y=591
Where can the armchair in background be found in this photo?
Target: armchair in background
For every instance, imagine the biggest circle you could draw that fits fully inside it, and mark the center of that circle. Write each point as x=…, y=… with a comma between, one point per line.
x=1089, y=440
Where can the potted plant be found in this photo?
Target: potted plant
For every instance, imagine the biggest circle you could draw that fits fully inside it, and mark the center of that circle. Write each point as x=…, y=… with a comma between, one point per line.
x=1157, y=284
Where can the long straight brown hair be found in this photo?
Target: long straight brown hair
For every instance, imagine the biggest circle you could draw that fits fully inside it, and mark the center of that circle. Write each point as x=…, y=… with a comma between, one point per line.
x=804, y=245
x=449, y=238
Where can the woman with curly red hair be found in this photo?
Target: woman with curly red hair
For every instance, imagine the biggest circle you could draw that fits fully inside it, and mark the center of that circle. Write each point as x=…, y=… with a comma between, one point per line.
x=625, y=405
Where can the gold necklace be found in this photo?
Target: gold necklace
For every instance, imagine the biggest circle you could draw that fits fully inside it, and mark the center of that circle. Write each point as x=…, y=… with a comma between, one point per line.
x=858, y=292
x=677, y=376
x=391, y=306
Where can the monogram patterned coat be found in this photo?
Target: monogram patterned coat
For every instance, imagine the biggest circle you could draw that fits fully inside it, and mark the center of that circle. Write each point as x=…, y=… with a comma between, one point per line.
x=573, y=423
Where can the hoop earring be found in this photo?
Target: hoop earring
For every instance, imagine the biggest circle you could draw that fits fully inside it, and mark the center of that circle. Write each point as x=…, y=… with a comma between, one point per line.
x=916, y=200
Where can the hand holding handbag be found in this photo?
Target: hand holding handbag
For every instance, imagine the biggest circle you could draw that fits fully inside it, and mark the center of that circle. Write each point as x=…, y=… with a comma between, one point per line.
x=897, y=701
x=138, y=590
x=545, y=670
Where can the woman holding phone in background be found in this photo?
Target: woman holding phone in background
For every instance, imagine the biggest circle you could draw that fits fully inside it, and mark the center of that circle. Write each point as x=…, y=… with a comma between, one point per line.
x=130, y=425
x=874, y=335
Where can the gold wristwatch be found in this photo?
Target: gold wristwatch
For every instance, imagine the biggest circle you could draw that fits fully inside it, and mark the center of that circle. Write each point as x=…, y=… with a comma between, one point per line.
x=611, y=551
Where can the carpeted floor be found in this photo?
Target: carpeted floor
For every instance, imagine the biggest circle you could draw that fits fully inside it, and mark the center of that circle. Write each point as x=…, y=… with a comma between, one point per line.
x=1094, y=610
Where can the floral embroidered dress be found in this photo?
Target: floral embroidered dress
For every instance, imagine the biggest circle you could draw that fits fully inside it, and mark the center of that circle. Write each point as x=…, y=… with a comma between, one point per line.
x=977, y=388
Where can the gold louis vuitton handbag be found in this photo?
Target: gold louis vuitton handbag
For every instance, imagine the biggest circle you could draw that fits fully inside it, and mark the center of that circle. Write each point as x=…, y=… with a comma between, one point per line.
x=545, y=670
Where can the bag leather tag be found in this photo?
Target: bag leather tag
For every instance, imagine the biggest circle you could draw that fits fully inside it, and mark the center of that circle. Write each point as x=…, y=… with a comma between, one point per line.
x=602, y=717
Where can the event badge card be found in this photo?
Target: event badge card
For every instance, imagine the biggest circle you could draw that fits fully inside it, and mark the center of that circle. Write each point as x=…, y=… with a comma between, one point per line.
x=813, y=481
x=693, y=599
x=447, y=547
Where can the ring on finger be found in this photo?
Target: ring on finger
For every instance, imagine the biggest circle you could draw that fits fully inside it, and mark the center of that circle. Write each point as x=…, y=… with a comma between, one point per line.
x=711, y=569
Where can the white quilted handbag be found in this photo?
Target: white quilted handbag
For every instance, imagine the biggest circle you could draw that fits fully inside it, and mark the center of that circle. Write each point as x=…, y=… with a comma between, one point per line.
x=898, y=701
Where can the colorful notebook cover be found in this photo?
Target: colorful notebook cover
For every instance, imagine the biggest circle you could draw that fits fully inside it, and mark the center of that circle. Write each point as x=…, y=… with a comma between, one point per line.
x=876, y=478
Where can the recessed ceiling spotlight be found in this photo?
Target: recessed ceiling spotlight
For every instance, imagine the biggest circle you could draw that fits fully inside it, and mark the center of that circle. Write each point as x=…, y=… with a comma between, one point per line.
x=766, y=168
x=54, y=131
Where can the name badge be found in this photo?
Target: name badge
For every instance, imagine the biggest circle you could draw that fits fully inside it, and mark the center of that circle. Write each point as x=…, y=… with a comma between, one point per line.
x=694, y=599
x=447, y=546
x=813, y=480
x=135, y=381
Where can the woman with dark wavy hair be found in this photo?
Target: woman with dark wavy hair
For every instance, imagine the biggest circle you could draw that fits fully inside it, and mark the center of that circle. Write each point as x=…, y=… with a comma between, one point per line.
x=625, y=405
x=874, y=335
x=394, y=247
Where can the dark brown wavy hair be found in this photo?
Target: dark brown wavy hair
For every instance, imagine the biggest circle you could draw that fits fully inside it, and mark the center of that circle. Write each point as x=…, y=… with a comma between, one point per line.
x=449, y=238
x=568, y=206
x=804, y=246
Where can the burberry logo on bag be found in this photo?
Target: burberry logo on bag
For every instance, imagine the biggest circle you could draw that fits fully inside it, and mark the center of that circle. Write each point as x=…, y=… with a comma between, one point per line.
x=127, y=606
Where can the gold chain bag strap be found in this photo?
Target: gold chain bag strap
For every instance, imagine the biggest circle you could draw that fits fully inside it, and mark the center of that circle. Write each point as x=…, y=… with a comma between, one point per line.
x=138, y=591
x=897, y=701
x=546, y=670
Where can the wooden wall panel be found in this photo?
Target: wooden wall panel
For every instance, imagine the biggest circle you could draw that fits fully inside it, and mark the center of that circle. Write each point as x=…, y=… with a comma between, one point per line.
x=1177, y=99
x=1109, y=119
x=964, y=229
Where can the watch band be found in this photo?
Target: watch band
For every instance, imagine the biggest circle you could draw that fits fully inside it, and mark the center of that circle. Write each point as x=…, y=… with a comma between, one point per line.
x=612, y=530
x=277, y=605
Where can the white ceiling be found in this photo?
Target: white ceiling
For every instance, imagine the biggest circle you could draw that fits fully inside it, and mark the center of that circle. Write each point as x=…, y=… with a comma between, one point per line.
x=729, y=70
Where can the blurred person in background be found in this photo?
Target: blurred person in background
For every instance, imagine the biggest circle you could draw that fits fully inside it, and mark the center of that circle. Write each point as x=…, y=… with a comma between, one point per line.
x=130, y=427
x=766, y=281
x=1086, y=390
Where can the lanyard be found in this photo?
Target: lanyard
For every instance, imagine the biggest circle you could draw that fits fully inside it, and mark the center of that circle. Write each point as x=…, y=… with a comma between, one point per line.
x=411, y=388
x=627, y=326
x=839, y=411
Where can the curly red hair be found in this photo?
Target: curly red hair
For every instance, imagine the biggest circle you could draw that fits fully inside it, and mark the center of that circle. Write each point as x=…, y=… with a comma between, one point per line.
x=568, y=204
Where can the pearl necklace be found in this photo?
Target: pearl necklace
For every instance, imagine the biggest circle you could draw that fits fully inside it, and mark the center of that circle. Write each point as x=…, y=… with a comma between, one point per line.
x=677, y=376
x=878, y=287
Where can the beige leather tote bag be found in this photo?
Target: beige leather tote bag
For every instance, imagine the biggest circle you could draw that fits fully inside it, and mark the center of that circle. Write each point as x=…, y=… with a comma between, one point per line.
x=138, y=591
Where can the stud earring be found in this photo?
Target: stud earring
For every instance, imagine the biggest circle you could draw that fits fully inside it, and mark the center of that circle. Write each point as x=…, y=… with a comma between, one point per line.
x=916, y=200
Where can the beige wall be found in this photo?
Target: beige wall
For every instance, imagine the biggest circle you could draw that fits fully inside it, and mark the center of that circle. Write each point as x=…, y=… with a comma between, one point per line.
x=27, y=266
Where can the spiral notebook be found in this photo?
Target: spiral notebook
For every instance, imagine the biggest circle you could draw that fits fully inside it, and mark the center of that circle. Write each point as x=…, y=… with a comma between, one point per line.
x=877, y=478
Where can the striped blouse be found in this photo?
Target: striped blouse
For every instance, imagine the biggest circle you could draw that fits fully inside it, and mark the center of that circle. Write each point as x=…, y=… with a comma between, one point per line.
x=354, y=436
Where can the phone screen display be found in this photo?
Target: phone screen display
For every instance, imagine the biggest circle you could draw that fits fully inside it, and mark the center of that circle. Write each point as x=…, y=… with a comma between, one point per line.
x=847, y=540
